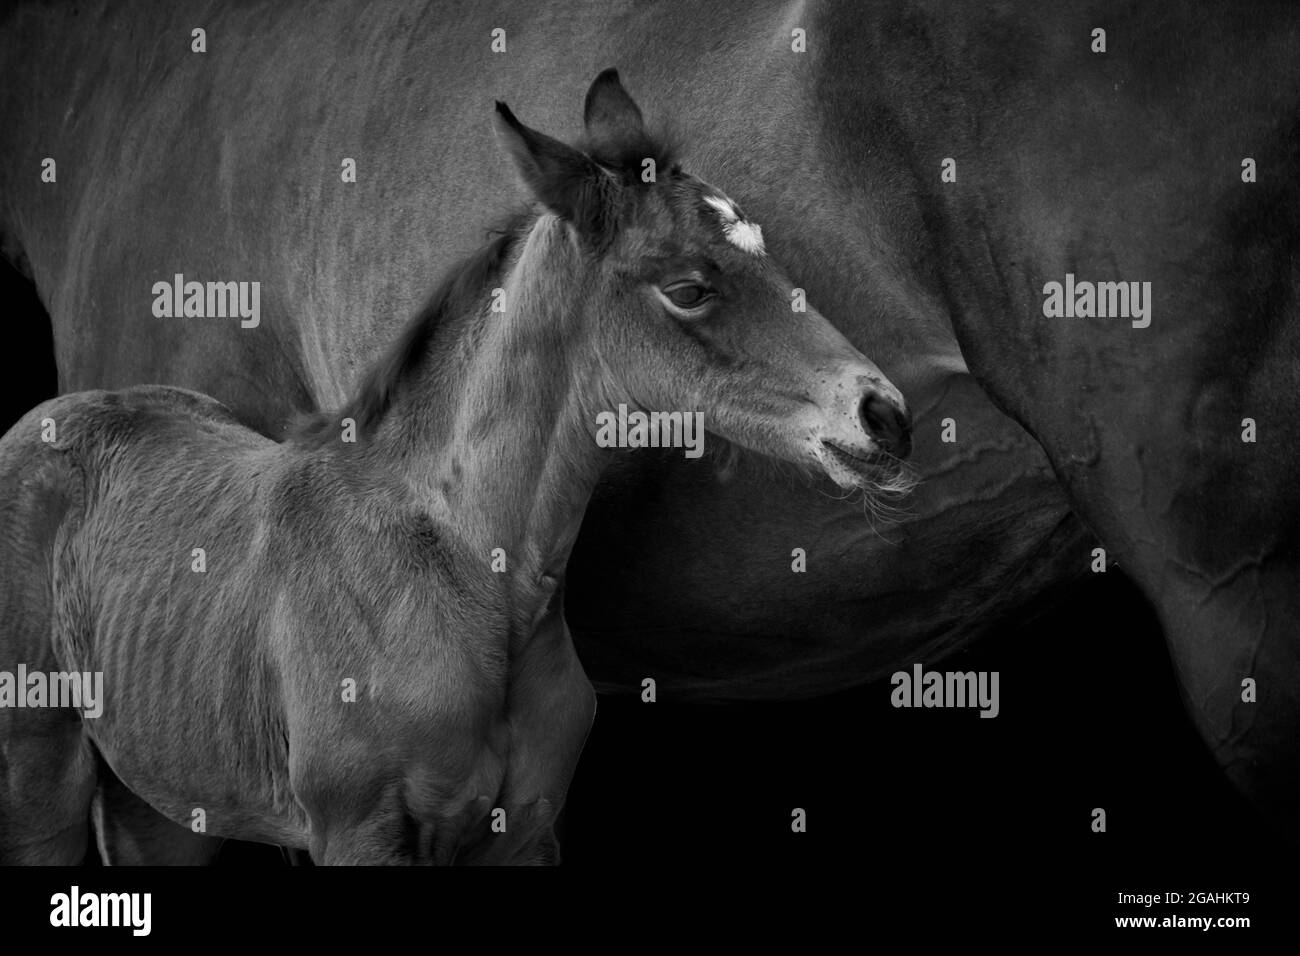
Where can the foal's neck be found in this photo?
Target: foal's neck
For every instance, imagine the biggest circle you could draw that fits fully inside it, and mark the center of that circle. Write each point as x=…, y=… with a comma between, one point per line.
x=494, y=436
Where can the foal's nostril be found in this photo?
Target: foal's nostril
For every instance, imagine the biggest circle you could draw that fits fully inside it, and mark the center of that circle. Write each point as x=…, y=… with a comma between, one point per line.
x=889, y=425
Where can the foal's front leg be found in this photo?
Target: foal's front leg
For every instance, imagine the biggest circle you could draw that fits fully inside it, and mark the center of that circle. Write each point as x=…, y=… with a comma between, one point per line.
x=392, y=835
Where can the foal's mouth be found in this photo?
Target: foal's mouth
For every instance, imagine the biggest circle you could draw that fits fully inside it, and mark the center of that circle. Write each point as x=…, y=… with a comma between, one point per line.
x=878, y=470
x=872, y=462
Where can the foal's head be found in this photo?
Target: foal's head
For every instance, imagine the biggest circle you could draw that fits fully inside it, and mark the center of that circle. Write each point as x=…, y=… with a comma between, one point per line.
x=689, y=312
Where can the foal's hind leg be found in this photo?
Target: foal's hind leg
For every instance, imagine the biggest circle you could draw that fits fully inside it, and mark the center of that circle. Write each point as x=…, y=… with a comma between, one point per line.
x=47, y=765
x=132, y=833
x=47, y=779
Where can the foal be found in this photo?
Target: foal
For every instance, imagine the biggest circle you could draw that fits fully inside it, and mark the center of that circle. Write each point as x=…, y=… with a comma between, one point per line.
x=357, y=646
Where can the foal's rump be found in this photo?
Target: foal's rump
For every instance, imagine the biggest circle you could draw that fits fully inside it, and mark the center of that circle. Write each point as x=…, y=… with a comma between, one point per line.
x=111, y=506
x=55, y=463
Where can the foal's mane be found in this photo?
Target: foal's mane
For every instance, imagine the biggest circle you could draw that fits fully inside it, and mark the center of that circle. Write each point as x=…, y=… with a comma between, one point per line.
x=458, y=290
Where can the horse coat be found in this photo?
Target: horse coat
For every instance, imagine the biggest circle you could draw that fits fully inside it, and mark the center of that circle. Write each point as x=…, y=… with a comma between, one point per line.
x=1127, y=163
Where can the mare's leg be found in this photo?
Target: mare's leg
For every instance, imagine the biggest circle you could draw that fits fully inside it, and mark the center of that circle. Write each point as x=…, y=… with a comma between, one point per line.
x=132, y=833
x=1237, y=658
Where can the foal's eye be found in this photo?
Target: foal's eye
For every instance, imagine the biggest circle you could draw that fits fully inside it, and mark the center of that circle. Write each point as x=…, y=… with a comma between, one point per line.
x=688, y=295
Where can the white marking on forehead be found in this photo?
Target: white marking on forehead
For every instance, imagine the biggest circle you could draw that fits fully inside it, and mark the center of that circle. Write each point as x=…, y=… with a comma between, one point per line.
x=741, y=233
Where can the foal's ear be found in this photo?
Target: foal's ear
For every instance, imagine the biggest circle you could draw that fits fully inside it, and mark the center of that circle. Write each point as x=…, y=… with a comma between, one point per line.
x=611, y=116
x=562, y=178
